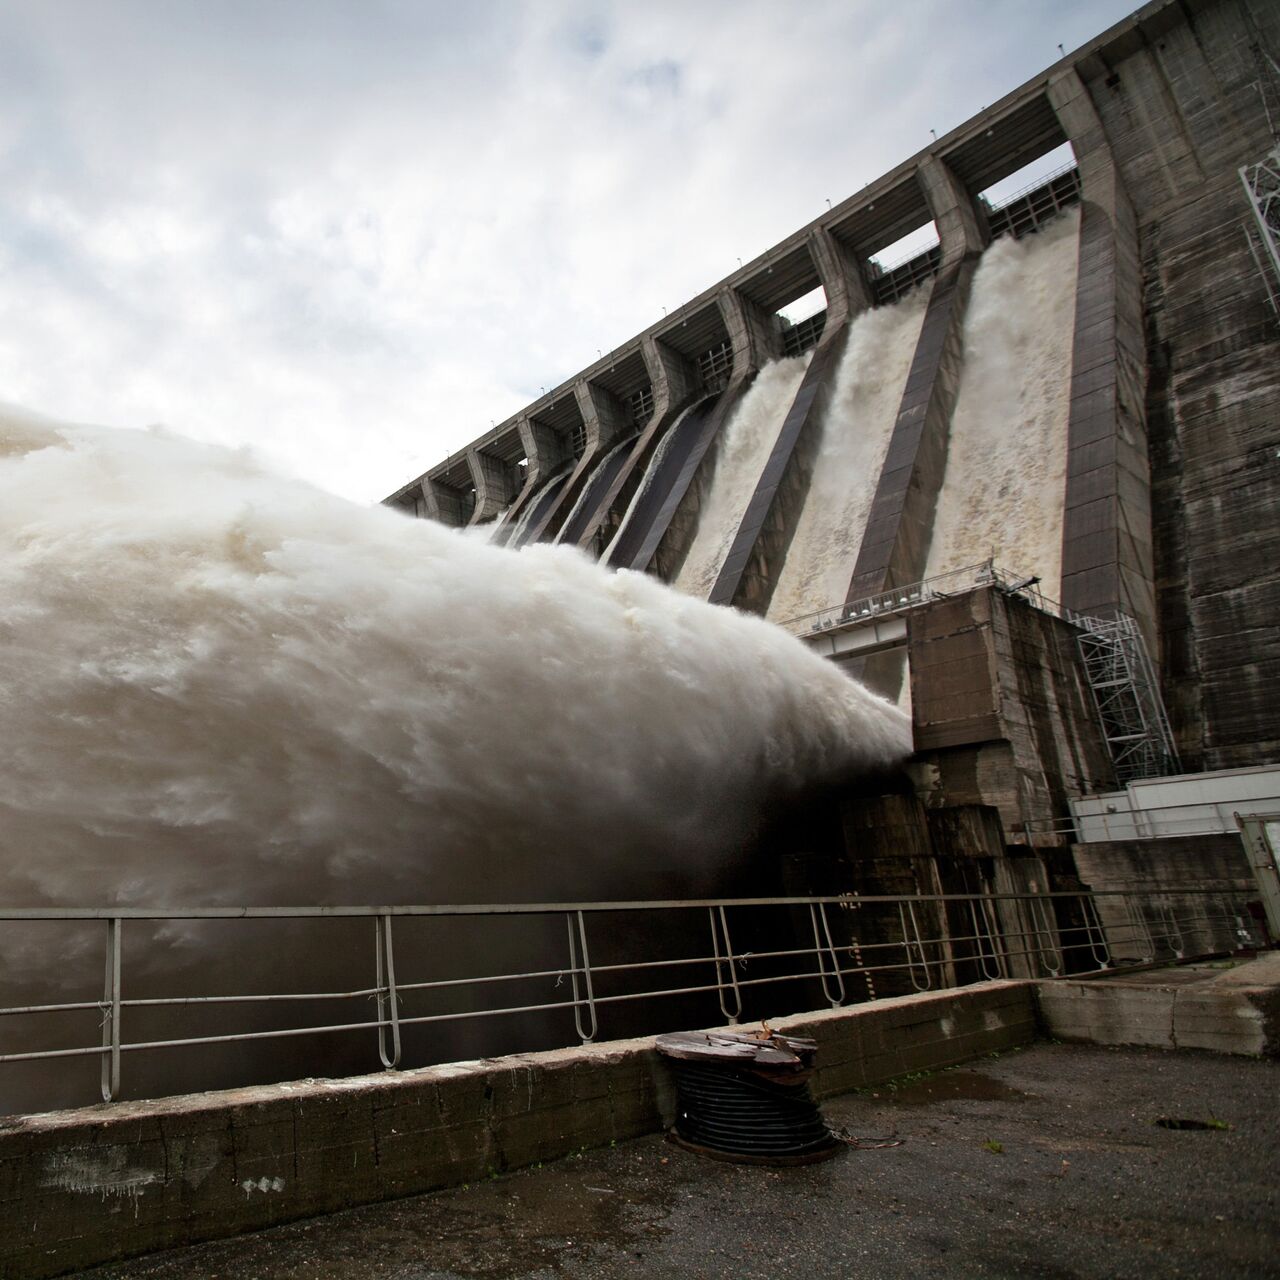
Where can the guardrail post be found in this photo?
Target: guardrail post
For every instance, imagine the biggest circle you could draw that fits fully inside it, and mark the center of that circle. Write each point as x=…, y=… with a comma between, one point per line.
x=388, y=997
x=581, y=937
x=1050, y=956
x=719, y=926
x=824, y=949
x=913, y=945
x=1094, y=933
x=110, y=1062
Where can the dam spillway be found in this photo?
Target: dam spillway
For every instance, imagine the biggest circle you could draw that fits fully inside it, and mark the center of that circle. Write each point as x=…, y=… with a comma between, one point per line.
x=1007, y=456
x=749, y=439
x=854, y=437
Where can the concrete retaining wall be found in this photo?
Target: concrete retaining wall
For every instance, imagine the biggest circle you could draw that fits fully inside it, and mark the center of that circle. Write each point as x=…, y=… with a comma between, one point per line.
x=83, y=1187
x=1196, y=1006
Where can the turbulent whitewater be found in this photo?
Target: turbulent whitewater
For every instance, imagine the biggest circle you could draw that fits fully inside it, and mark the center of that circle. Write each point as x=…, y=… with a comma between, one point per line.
x=855, y=436
x=748, y=440
x=1007, y=456
x=221, y=685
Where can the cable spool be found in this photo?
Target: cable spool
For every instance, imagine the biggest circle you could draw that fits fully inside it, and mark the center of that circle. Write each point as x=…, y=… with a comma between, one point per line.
x=747, y=1099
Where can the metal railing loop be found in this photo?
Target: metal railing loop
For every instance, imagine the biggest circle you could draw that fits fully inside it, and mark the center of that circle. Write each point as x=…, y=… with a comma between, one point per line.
x=828, y=959
x=387, y=996
x=1142, y=933
x=109, y=1073
x=1095, y=936
x=578, y=938
x=725, y=963
x=1047, y=950
x=984, y=942
x=913, y=945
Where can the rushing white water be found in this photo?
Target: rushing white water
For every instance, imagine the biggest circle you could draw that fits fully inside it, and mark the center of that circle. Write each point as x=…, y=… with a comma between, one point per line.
x=221, y=685
x=591, y=491
x=647, y=481
x=855, y=434
x=748, y=440
x=534, y=508
x=1007, y=457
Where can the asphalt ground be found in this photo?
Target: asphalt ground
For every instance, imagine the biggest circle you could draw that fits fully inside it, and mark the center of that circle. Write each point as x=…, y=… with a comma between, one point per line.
x=1045, y=1162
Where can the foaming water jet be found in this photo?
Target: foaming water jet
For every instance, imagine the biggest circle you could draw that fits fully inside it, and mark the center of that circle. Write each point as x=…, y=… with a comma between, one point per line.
x=227, y=686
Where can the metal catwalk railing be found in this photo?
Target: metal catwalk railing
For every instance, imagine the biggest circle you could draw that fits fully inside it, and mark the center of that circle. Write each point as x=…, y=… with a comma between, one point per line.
x=1159, y=822
x=916, y=594
x=846, y=947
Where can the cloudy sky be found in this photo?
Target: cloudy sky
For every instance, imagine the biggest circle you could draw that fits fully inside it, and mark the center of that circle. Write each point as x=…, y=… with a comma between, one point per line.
x=352, y=234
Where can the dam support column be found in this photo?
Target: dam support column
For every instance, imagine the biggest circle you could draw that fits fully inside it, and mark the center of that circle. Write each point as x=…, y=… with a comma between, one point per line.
x=752, y=332
x=443, y=503
x=496, y=485
x=750, y=571
x=895, y=546
x=756, y=340
x=842, y=279
x=546, y=454
x=604, y=421
x=1107, y=560
x=674, y=381
x=656, y=537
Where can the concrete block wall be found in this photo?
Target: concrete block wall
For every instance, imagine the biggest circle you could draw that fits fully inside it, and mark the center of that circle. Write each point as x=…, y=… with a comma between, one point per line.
x=927, y=1031
x=1001, y=712
x=82, y=1187
x=1224, y=1010
x=1214, y=864
x=1182, y=109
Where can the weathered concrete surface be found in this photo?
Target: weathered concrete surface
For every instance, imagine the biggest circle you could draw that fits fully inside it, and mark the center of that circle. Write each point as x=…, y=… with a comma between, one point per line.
x=1084, y=1185
x=1001, y=712
x=1106, y=527
x=1225, y=1007
x=895, y=542
x=81, y=1187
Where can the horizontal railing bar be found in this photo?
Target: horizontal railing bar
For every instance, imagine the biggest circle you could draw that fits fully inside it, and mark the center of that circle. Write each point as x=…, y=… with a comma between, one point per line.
x=1167, y=919
x=740, y=958
x=39, y=1054
x=71, y=914
x=53, y=1008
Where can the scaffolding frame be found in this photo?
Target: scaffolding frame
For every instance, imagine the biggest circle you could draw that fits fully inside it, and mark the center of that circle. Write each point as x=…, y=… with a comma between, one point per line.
x=1262, y=188
x=1127, y=697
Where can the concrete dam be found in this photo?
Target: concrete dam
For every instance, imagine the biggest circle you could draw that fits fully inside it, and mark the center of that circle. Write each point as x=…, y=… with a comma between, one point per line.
x=998, y=436
x=1076, y=382
x=1017, y=477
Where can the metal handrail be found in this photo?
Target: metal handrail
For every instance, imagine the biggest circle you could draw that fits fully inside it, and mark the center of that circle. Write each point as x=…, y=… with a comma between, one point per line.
x=911, y=595
x=1031, y=187
x=1036, y=935
x=68, y=914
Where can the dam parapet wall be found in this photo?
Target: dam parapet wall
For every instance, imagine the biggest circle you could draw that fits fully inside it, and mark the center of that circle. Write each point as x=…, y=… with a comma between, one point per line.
x=84, y=1187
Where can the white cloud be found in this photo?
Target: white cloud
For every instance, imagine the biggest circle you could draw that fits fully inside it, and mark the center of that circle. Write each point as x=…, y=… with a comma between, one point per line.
x=354, y=234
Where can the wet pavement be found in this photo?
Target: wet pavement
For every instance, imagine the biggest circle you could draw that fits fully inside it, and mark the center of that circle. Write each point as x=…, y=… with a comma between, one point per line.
x=1046, y=1162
